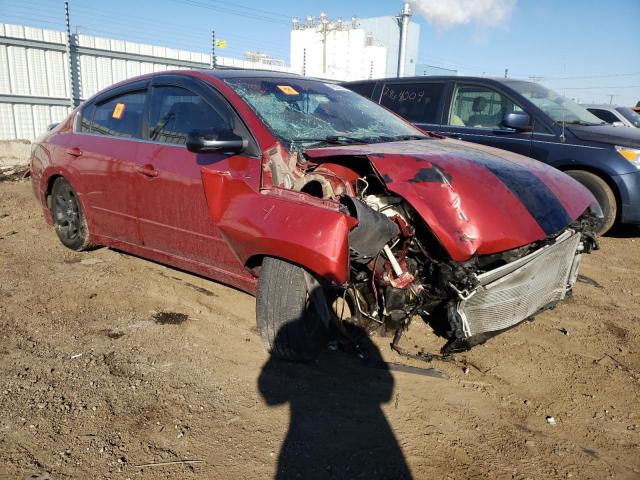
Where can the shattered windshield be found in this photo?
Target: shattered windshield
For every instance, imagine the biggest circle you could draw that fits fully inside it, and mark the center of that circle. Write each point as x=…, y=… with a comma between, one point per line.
x=558, y=107
x=310, y=111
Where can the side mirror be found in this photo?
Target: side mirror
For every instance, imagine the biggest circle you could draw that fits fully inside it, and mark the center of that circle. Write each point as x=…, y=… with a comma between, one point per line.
x=519, y=121
x=618, y=124
x=225, y=141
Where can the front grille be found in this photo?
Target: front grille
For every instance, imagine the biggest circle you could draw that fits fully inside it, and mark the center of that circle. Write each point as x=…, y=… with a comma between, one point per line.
x=511, y=293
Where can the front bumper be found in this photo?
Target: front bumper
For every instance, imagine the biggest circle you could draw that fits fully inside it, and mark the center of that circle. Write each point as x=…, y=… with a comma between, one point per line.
x=514, y=292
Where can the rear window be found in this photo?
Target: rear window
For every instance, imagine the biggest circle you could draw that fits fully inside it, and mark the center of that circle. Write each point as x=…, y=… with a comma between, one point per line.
x=417, y=102
x=119, y=116
x=605, y=115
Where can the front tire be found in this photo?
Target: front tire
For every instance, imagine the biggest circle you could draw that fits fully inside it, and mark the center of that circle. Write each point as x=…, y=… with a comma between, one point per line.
x=604, y=195
x=291, y=311
x=69, y=221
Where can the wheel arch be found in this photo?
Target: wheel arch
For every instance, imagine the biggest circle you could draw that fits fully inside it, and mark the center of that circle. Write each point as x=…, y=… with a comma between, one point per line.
x=47, y=181
x=49, y=187
x=603, y=176
x=255, y=261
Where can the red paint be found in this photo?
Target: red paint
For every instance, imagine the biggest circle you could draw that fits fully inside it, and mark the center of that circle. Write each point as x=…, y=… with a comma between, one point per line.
x=474, y=212
x=274, y=225
x=216, y=214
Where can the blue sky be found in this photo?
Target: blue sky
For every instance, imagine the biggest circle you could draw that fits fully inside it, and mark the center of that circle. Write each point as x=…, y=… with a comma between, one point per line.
x=594, y=43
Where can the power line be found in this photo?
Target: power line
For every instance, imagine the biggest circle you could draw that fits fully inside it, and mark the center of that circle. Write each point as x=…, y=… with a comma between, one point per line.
x=34, y=21
x=243, y=14
x=613, y=87
x=83, y=14
x=98, y=23
x=612, y=75
x=251, y=8
x=155, y=24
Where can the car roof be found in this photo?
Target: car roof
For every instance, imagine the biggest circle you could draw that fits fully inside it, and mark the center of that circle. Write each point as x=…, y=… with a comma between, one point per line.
x=602, y=106
x=244, y=73
x=217, y=73
x=225, y=73
x=442, y=78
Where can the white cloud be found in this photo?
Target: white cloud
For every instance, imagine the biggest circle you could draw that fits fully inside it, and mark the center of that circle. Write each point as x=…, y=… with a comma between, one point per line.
x=450, y=13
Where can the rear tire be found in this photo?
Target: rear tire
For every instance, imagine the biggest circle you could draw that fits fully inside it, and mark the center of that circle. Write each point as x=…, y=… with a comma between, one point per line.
x=604, y=195
x=69, y=221
x=290, y=318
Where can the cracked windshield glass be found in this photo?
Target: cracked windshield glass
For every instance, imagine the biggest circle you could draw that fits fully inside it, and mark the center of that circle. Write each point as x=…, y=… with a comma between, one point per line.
x=304, y=112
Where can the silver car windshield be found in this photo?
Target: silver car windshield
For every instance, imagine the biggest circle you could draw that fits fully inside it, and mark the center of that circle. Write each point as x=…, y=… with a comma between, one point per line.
x=310, y=111
x=559, y=108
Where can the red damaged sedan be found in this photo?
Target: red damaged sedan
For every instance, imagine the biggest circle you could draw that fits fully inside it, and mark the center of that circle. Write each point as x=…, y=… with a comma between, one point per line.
x=326, y=206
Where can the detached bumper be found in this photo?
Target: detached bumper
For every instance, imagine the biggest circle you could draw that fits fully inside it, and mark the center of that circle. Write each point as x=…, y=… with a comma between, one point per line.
x=514, y=292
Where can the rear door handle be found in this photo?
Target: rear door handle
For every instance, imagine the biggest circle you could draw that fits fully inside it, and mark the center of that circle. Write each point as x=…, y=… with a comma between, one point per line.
x=74, y=152
x=148, y=170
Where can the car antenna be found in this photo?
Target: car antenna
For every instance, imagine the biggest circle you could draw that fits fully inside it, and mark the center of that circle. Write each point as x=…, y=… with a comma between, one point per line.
x=564, y=95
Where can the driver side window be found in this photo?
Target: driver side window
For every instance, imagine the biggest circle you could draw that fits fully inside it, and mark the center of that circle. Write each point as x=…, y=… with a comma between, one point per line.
x=479, y=107
x=175, y=112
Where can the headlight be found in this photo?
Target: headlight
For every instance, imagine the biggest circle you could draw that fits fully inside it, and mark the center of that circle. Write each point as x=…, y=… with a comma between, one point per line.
x=631, y=154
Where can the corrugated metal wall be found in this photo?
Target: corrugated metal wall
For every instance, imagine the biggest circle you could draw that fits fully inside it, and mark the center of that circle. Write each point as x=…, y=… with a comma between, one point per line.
x=31, y=72
x=34, y=74
x=98, y=72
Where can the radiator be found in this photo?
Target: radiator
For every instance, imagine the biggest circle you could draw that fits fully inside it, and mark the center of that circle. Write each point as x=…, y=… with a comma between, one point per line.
x=515, y=291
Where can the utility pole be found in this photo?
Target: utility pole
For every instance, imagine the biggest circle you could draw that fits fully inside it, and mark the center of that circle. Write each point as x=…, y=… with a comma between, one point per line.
x=323, y=23
x=213, y=50
x=611, y=95
x=403, y=23
x=304, y=62
x=72, y=61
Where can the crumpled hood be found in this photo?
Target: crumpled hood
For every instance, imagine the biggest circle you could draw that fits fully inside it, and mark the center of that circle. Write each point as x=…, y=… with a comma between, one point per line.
x=476, y=199
x=622, y=136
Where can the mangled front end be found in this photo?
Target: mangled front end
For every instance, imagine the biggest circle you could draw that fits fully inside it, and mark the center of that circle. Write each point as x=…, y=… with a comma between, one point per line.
x=472, y=243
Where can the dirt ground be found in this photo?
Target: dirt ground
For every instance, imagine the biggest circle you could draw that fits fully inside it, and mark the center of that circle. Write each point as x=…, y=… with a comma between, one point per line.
x=112, y=366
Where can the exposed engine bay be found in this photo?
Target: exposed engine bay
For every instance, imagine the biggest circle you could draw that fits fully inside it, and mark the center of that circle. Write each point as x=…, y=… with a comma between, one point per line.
x=400, y=270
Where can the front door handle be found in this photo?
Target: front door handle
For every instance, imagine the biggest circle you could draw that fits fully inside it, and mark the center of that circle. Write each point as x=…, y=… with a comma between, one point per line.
x=74, y=152
x=148, y=170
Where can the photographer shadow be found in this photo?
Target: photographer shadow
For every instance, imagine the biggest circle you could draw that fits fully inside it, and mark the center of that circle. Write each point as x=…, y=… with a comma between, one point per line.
x=337, y=428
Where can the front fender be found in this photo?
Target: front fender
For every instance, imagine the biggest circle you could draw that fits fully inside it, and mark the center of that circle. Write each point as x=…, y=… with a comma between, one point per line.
x=265, y=223
x=43, y=182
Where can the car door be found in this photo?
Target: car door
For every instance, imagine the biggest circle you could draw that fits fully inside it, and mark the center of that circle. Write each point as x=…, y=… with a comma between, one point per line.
x=104, y=145
x=419, y=102
x=475, y=114
x=172, y=208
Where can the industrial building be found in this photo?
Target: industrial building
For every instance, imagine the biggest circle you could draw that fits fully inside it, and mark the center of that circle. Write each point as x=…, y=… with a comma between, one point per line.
x=356, y=49
x=335, y=50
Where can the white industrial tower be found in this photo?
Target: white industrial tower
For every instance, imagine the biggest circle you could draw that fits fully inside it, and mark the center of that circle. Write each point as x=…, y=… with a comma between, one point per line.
x=335, y=50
